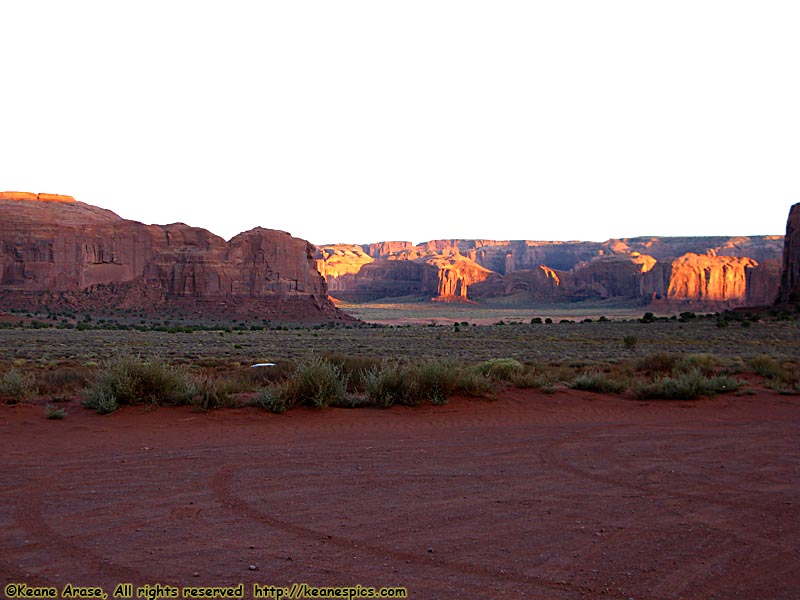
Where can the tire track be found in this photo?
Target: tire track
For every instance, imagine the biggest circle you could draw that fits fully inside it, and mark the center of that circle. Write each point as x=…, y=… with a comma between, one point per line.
x=222, y=483
x=29, y=518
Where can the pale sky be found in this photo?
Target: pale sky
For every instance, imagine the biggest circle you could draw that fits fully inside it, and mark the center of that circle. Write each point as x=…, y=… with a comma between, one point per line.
x=360, y=121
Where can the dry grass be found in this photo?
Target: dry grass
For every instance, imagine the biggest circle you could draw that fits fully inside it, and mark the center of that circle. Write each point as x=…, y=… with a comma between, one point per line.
x=213, y=367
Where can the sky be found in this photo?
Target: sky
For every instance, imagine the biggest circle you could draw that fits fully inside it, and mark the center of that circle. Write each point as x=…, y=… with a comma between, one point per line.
x=361, y=121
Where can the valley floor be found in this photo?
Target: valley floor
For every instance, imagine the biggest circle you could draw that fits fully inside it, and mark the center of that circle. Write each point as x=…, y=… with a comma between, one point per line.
x=562, y=496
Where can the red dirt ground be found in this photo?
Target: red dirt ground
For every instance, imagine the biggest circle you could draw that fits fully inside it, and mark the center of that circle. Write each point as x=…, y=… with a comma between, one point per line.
x=570, y=495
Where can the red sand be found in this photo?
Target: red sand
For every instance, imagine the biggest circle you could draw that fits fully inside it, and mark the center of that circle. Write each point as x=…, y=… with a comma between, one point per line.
x=571, y=495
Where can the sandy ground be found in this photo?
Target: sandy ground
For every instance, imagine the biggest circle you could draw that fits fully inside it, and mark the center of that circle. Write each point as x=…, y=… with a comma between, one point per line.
x=562, y=496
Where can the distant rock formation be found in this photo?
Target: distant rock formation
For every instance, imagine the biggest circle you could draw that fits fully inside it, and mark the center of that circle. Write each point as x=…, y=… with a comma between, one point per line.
x=789, y=292
x=60, y=253
x=711, y=272
x=705, y=279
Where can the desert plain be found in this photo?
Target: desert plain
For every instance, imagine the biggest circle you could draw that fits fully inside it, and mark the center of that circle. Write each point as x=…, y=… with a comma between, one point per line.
x=526, y=493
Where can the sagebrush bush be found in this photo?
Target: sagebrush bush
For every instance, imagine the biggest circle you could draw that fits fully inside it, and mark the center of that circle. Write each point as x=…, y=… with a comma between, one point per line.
x=501, y=369
x=353, y=367
x=16, y=386
x=705, y=363
x=136, y=380
x=598, y=382
x=660, y=362
x=630, y=342
x=210, y=394
x=391, y=383
x=61, y=380
x=100, y=399
x=437, y=380
x=765, y=365
x=396, y=383
x=272, y=399
x=685, y=386
x=52, y=411
x=475, y=383
x=535, y=377
x=317, y=382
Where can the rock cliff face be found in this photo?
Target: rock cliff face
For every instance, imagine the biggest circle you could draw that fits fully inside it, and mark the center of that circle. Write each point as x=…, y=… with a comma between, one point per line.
x=709, y=272
x=60, y=252
x=709, y=279
x=790, y=277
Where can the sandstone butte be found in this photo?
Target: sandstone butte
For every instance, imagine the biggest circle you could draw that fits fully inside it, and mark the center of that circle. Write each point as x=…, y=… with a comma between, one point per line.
x=690, y=272
x=63, y=254
x=789, y=292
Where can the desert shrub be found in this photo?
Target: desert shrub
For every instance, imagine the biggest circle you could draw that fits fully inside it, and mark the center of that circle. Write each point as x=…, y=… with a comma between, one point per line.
x=765, y=365
x=272, y=399
x=136, y=380
x=51, y=411
x=61, y=380
x=598, y=382
x=501, y=369
x=353, y=401
x=100, y=399
x=410, y=385
x=475, y=383
x=390, y=384
x=685, y=386
x=706, y=363
x=630, y=341
x=353, y=367
x=436, y=380
x=16, y=386
x=316, y=382
x=660, y=362
x=535, y=376
x=211, y=394
x=784, y=377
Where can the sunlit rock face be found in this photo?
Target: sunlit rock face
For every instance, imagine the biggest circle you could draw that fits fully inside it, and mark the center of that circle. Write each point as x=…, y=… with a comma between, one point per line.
x=789, y=292
x=714, y=279
x=708, y=272
x=57, y=252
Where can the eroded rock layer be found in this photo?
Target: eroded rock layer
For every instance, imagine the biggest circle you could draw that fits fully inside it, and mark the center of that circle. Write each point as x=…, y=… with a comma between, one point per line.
x=789, y=292
x=699, y=272
x=58, y=252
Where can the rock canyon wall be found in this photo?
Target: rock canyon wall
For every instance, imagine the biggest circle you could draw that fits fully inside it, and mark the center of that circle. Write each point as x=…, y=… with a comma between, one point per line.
x=790, y=278
x=701, y=272
x=57, y=252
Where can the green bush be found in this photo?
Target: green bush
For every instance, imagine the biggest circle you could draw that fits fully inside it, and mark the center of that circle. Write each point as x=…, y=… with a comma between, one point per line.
x=211, y=394
x=390, y=384
x=101, y=400
x=16, y=386
x=136, y=380
x=436, y=380
x=272, y=399
x=765, y=365
x=353, y=367
x=598, y=382
x=475, y=383
x=61, y=380
x=705, y=363
x=52, y=411
x=410, y=385
x=660, y=362
x=630, y=341
x=535, y=377
x=501, y=369
x=685, y=386
x=317, y=382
